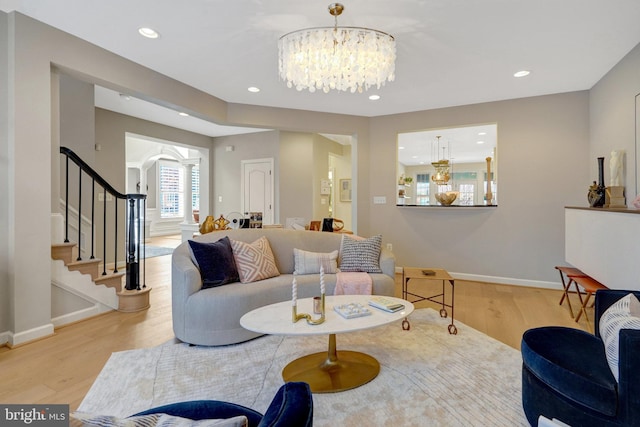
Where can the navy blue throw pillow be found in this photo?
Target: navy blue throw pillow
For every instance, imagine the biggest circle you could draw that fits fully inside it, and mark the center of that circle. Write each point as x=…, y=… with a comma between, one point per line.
x=215, y=261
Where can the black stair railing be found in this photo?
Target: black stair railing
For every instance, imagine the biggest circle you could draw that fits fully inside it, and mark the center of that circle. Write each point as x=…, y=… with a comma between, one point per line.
x=135, y=205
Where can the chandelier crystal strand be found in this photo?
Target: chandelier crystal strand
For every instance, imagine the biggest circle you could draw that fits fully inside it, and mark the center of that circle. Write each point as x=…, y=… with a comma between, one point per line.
x=336, y=58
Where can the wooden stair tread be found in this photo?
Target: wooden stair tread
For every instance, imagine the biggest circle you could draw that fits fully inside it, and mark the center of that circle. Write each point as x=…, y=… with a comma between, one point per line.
x=85, y=262
x=63, y=245
x=111, y=280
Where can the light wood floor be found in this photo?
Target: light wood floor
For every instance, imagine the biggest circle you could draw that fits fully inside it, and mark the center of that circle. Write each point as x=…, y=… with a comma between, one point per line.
x=61, y=368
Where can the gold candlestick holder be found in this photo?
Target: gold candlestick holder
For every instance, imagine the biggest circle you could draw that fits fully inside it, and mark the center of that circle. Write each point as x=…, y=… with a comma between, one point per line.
x=295, y=316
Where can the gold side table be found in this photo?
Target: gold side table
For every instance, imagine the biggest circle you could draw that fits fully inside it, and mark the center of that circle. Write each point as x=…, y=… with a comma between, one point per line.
x=414, y=274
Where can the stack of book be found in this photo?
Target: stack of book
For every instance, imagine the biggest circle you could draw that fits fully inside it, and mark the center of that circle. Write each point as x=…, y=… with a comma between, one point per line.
x=385, y=304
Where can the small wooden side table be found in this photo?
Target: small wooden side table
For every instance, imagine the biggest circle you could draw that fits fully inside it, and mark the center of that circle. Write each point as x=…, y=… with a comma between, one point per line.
x=439, y=274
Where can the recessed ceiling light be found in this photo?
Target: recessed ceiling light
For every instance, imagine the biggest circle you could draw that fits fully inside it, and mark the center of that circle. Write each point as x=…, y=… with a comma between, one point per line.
x=374, y=97
x=148, y=33
x=400, y=148
x=183, y=114
x=522, y=73
x=414, y=157
x=482, y=133
x=480, y=142
x=254, y=89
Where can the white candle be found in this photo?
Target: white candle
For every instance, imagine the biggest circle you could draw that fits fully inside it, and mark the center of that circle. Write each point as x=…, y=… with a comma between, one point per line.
x=321, y=280
x=294, y=292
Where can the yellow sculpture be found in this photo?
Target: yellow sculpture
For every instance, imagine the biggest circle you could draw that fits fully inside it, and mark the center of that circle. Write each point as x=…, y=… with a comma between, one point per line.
x=210, y=224
x=221, y=223
x=207, y=225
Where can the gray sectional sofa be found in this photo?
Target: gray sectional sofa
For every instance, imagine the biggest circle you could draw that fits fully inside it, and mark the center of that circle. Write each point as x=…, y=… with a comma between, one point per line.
x=212, y=316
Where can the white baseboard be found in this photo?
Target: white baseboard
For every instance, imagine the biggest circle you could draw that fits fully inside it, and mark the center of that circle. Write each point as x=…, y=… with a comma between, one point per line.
x=79, y=315
x=501, y=280
x=30, y=335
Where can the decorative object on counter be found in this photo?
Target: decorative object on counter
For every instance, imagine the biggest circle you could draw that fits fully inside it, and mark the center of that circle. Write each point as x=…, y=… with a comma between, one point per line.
x=616, y=166
x=615, y=197
x=221, y=223
x=489, y=194
x=446, y=198
x=636, y=202
x=207, y=225
x=596, y=195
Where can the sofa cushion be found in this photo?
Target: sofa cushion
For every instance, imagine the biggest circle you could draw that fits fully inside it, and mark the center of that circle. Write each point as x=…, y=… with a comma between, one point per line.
x=623, y=314
x=572, y=363
x=255, y=260
x=360, y=254
x=215, y=261
x=156, y=420
x=310, y=262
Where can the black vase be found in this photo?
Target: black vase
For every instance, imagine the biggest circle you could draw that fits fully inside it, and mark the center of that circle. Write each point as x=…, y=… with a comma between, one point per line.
x=597, y=192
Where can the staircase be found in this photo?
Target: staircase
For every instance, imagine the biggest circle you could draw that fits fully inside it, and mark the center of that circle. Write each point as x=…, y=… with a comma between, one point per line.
x=74, y=268
x=105, y=290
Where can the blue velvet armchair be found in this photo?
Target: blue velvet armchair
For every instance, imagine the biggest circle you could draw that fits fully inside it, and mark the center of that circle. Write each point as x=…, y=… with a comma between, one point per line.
x=565, y=374
x=292, y=406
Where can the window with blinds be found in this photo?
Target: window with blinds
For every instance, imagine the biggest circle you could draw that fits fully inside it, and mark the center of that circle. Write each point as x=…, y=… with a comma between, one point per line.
x=422, y=189
x=171, y=189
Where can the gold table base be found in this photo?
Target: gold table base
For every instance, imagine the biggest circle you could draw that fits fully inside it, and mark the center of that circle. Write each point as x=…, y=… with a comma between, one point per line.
x=334, y=370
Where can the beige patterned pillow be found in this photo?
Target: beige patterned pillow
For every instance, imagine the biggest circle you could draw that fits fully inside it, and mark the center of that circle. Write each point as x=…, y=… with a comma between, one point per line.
x=623, y=314
x=310, y=262
x=255, y=260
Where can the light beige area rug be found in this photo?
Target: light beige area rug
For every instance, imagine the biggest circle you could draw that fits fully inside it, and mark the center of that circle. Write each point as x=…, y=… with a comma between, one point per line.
x=427, y=377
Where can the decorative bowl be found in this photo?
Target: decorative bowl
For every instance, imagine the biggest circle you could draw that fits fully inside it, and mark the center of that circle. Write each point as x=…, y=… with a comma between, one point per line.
x=447, y=198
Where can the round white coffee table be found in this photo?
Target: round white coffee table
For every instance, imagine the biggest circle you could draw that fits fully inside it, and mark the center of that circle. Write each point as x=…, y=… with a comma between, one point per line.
x=333, y=370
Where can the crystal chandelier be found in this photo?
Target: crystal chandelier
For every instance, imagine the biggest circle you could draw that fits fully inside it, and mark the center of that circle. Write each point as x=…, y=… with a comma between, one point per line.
x=336, y=58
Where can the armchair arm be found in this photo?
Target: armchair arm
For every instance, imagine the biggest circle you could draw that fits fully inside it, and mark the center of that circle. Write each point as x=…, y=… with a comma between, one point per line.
x=388, y=263
x=628, y=367
x=206, y=410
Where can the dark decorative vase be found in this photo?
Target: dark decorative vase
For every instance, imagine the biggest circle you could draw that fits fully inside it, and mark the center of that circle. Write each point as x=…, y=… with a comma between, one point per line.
x=596, y=194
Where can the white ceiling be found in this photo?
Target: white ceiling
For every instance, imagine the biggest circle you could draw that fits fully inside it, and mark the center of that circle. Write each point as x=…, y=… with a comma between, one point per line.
x=469, y=144
x=449, y=52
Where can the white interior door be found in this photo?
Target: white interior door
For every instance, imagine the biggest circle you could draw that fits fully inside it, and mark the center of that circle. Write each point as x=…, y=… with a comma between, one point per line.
x=257, y=188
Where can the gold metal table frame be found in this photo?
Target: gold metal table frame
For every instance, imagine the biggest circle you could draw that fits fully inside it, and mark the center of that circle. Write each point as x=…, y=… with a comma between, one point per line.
x=413, y=273
x=334, y=370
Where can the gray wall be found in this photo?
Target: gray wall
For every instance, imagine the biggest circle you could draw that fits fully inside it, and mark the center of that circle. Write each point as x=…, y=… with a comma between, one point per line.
x=227, y=169
x=300, y=161
x=296, y=176
x=613, y=115
x=543, y=164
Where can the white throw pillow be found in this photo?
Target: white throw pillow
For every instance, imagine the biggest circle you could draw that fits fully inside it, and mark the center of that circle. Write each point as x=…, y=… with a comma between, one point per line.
x=310, y=262
x=156, y=420
x=623, y=314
